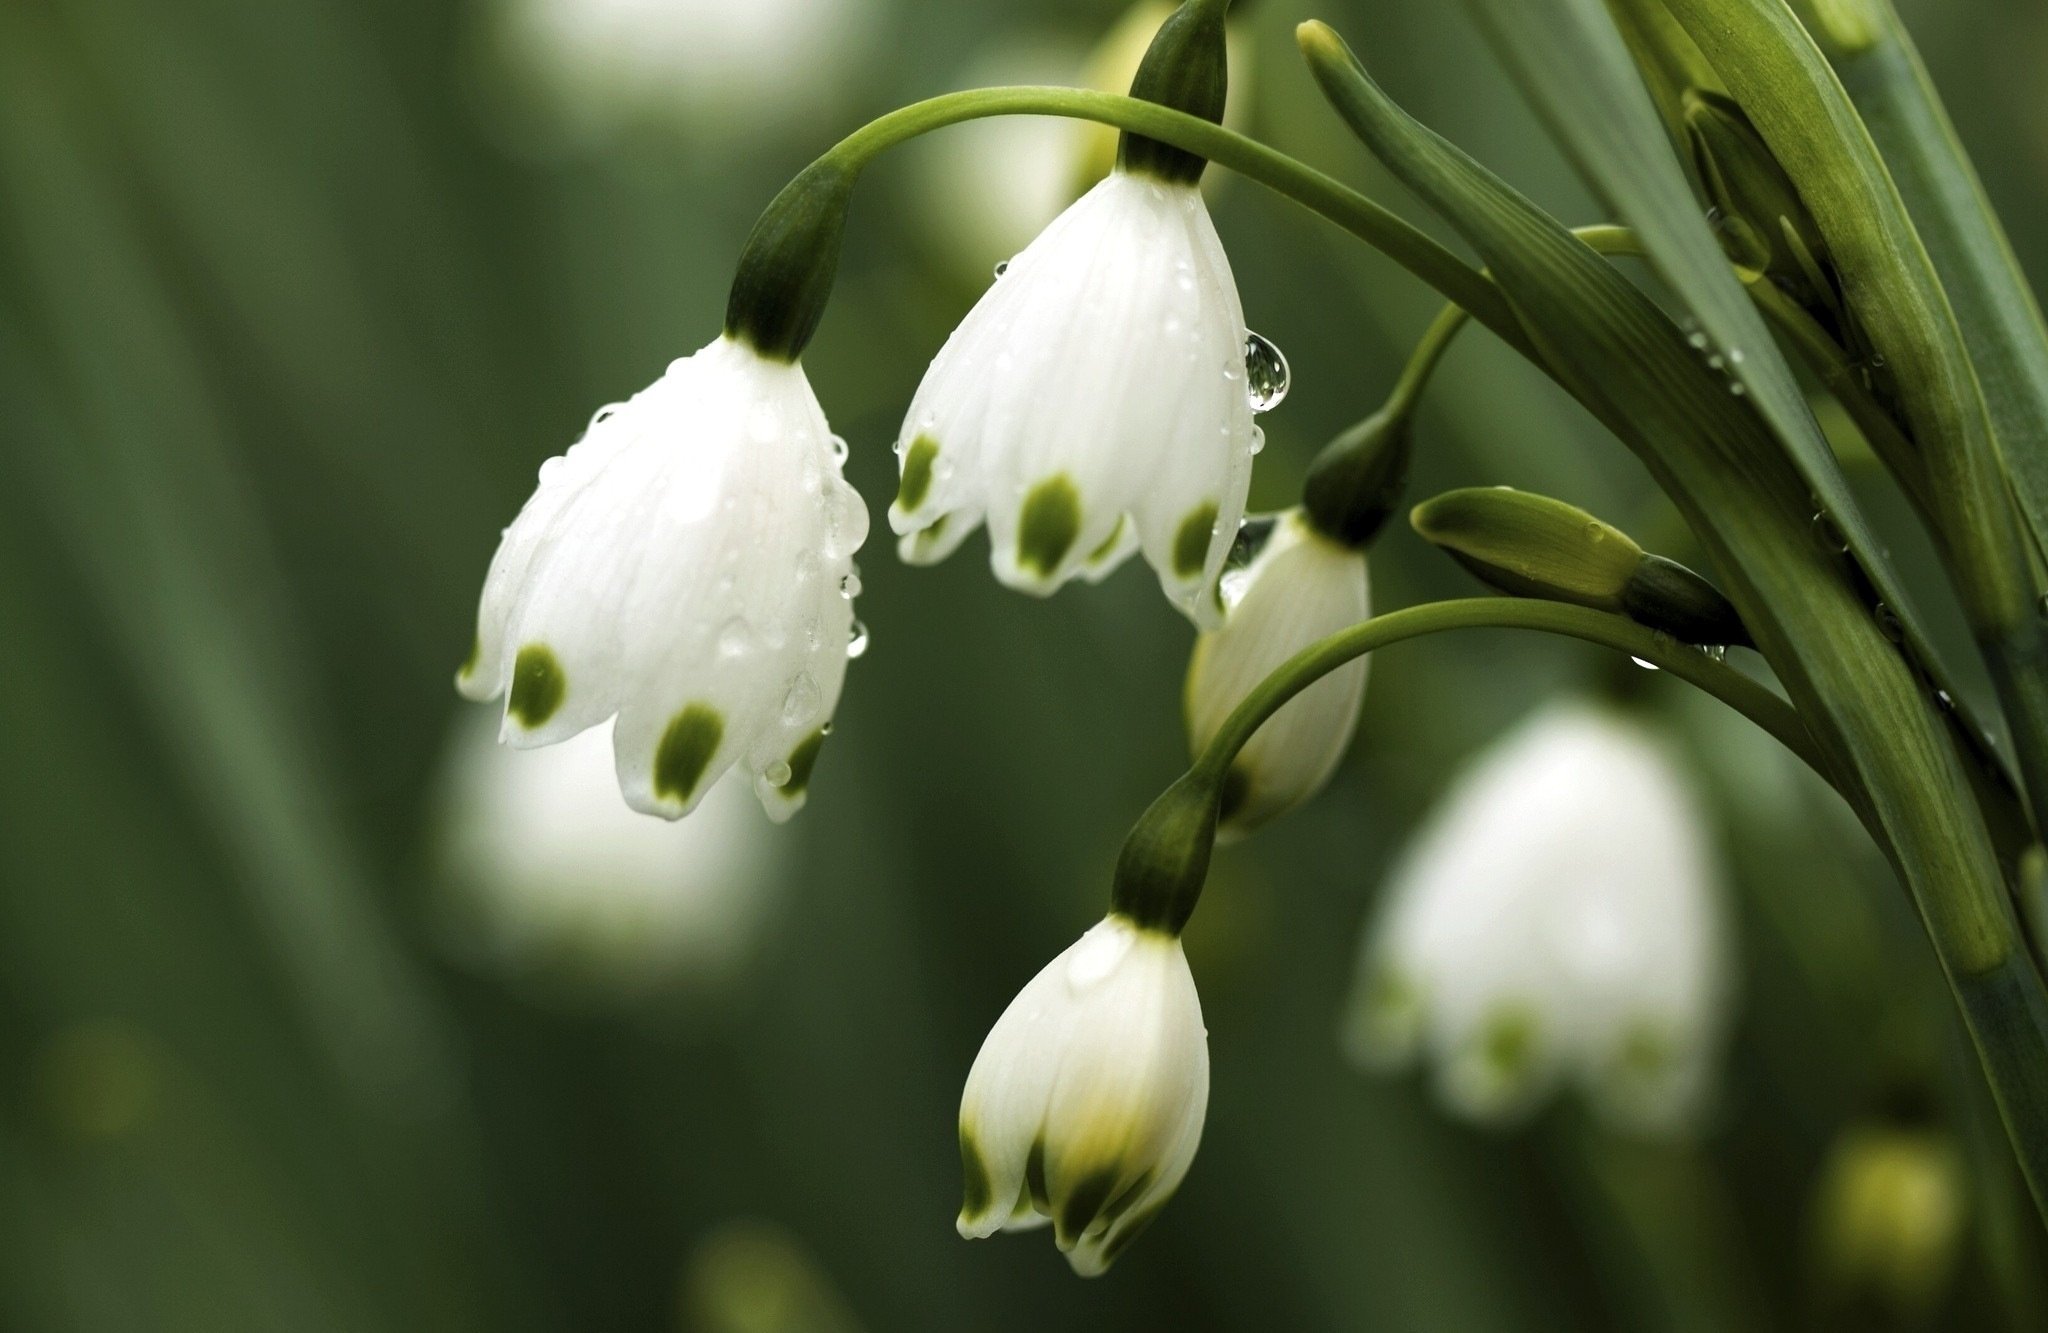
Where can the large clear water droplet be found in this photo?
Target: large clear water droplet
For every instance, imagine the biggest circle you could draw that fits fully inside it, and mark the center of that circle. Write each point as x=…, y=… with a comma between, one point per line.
x=857, y=640
x=1266, y=377
x=800, y=702
x=777, y=773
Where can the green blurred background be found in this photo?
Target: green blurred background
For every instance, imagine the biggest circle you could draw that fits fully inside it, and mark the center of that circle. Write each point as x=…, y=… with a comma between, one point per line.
x=295, y=295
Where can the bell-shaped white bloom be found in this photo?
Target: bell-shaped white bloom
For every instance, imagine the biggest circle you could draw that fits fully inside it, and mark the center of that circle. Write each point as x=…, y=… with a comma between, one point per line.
x=549, y=875
x=1093, y=402
x=1086, y=1103
x=1560, y=916
x=685, y=567
x=1300, y=587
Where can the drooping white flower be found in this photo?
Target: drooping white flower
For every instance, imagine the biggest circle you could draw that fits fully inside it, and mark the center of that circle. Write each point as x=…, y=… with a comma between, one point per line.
x=1300, y=587
x=1094, y=402
x=549, y=874
x=1560, y=916
x=1086, y=1103
x=684, y=566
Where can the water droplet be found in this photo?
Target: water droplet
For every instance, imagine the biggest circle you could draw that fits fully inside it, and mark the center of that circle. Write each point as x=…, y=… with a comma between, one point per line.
x=1738, y=390
x=857, y=640
x=1888, y=622
x=735, y=637
x=777, y=773
x=849, y=587
x=1944, y=701
x=800, y=702
x=1697, y=339
x=1735, y=356
x=1266, y=378
x=1715, y=652
x=1717, y=361
x=550, y=468
x=839, y=450
x=1647, y=666
x=1258, y=440
x=1829, y=533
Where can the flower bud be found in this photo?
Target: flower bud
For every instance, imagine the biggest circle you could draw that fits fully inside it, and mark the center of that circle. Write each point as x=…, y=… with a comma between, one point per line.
x=1300, y=587
x=1763, y=225
x=1085, y=1105
x=1530, y=545
x=1889, y=1216
x=1185, y=68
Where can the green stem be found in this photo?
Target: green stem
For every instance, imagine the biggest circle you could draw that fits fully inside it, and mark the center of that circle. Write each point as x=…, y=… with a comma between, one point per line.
x=1399, y=240
x=1689, y=664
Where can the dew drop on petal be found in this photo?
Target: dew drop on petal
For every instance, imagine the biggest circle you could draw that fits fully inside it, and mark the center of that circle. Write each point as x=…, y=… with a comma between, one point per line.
x=857, y=640
x=800, y=702
x=1002, y=267
x=839, y=449
x=777, y=773
x=1265, y=373
x=550, y=468
x=1258, y=440
x=849, y=587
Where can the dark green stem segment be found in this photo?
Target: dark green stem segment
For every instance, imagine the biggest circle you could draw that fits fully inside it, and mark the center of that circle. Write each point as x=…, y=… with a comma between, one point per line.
x=1185, y=68
x=1165, y=858
x=785, y=272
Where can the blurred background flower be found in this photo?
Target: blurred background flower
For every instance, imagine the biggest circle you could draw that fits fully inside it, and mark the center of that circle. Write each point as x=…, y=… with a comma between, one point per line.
x=296, y=296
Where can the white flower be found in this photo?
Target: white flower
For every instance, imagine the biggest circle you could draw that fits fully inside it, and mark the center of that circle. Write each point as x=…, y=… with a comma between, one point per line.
x=1559, y=916
x=1093, y=402
x=550, y=873
x=694, y=62
x=685, y=566
x=1086, y=1103
x=1300, y=587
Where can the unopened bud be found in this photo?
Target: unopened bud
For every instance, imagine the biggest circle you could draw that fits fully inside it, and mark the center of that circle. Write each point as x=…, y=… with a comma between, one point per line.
x=785, y=272
x=1762, y=223
x=1533, y=546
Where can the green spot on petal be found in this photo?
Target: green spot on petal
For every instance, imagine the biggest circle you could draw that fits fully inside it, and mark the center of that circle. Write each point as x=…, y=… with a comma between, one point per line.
x=801, y=761
x=1050, y=521
x=1102, y=552
x=1191, y=542
x=977, y=1192
x=917, y=473
x=468, y=667
x=685, y=751
x=1084, y=1202
x=1508, y=1045
x=538, y=686
x=1034, y=1177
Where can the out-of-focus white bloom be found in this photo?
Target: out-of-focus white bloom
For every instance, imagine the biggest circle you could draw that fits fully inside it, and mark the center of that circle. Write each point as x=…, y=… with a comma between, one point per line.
x=691, y=61
x=1300, y=587
x=685, y=567
x=1889, y=1214
x=1002, y=179
x=1086, y=1103
x=1093, y=402
x=1559, y=916
x=549, y=872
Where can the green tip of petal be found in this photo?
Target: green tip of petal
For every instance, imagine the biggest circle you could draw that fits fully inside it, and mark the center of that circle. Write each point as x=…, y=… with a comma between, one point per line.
x=1508, y=1045
x=1191, y=541
x=801, y=761
x=1108, y=546
x=538, y=686
x=977, y=1191
x=917, y=473
x=685, y=751
x=1050, y=521
x=468, y=667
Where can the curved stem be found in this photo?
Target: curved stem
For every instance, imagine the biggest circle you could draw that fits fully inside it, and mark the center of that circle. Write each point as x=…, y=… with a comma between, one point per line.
x=1689, y=664
x=1376, y=226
